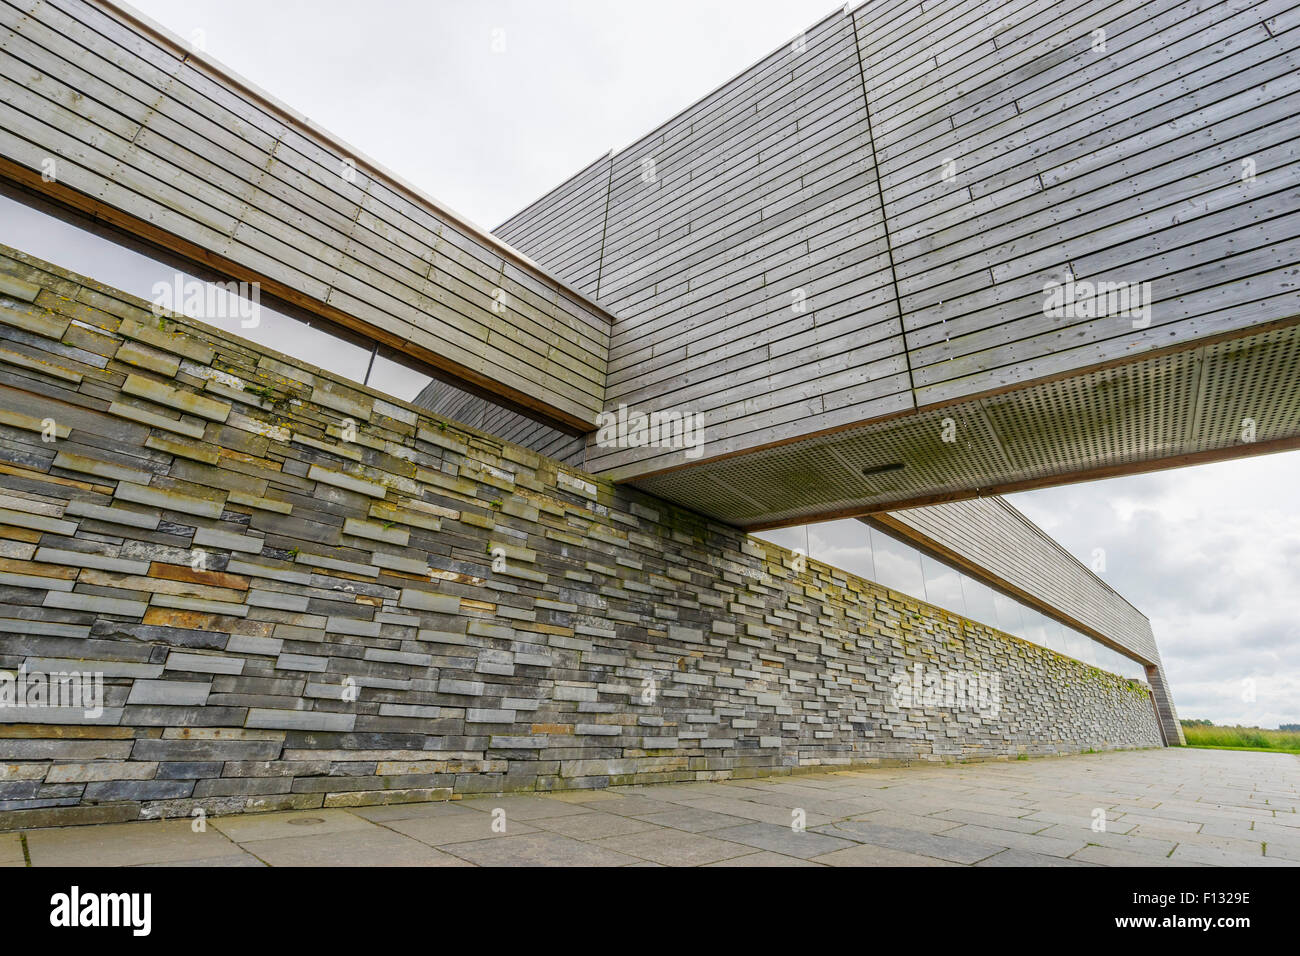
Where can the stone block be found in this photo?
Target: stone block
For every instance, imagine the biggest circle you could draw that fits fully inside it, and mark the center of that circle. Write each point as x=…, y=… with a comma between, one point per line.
x=299, y=719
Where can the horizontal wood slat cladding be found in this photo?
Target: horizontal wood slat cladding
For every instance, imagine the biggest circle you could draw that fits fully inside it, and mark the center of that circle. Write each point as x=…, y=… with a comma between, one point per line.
x=762, y=191
x=563, y=232
x=144, y=132
x=1115, y=165
x=826, y=172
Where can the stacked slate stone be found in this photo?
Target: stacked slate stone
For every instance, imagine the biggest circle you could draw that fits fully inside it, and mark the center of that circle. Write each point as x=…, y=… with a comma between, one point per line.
x=301, y=593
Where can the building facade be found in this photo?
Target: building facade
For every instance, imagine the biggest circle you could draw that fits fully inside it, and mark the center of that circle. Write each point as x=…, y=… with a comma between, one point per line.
x=295, y=591
x=302, y=482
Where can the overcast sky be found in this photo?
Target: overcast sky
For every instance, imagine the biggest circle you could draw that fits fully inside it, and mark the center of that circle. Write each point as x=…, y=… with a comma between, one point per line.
x=487, y=104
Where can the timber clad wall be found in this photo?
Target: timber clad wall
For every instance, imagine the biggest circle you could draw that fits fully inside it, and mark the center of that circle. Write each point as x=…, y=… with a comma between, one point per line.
x=370, y=564
x=1166, y=154
x=762, y=192
x=149, y=136
x=565, y=229
x=1122, y=165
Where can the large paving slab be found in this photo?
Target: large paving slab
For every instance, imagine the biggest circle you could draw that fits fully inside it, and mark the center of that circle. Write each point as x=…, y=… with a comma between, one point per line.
x=1136, y=808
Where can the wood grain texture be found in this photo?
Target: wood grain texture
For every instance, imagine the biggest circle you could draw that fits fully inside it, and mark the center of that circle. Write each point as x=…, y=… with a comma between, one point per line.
x=144, y=132
x=925, y=195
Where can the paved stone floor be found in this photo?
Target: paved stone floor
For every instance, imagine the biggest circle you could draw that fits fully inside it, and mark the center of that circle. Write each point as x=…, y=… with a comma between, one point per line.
x=1161, y=807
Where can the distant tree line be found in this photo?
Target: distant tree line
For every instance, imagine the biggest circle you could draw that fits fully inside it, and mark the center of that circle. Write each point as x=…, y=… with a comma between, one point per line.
x=1294, y=728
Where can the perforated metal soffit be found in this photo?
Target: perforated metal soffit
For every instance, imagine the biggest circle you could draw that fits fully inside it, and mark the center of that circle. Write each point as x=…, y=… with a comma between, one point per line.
x=1181, y=403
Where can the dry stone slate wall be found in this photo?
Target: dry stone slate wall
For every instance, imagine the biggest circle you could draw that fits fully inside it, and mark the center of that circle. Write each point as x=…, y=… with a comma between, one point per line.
x=300, y=593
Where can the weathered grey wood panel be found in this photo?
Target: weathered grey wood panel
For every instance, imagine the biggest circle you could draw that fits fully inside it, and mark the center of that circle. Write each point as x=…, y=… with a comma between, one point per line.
x=564, y=230
x=1016, y=144
x=143, y=127
x=762, y=192
x=1110, y=157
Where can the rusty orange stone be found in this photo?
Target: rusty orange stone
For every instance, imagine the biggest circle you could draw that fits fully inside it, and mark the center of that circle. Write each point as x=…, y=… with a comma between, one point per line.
x=15, y=566
x=552, y=728
x=202, y=621
x=68, y=732
x=180, y=572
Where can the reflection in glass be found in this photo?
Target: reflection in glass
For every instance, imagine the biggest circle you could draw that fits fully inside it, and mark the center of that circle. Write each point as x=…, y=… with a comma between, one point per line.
x=1010, y=618
x=1076, y=643
x=395, y=379
x=860, y=549
x=1035, y=627
x=943, y=585
x=844, y=544
x=898, y=566
x=1054, y=634
x=980, y=602
x=790, y=538
x=112, y=263
x=1088, y=649
x=130, y=267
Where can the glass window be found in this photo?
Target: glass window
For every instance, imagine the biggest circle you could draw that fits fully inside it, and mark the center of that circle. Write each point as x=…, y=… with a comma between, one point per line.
x=845, y=545
x=791, y=538
x=1035, y=626
x=1053, y=634
x=47, y=237
x=110, y=261
x=898, y=566
x=943, y=585
x=980, y=603
x=860, y=549
x=1126, y=666
x=1010, y=619
x=1090, y=649
x=1077, y=644
x=395, y=378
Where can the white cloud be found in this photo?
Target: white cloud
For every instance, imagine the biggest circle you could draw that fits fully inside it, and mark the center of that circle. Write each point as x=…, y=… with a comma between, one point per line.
x=1211, y=555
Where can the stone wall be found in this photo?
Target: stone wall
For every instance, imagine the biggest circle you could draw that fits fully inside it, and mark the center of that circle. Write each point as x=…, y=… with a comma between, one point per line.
x=290, y=613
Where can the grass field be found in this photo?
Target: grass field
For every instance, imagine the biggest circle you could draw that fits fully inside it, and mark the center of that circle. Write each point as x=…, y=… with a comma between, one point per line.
x=1242, y=738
